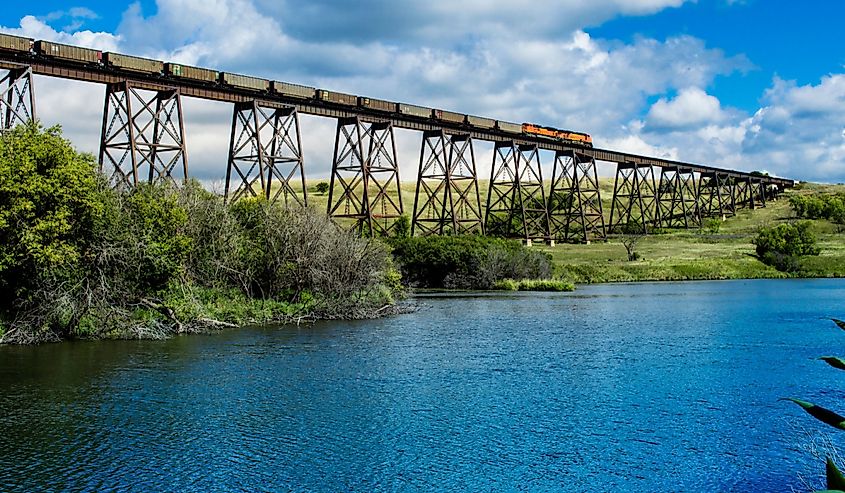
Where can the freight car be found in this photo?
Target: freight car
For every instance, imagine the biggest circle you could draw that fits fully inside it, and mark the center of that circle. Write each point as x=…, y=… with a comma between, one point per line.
x=555, y=134
x=514, y=128
x=337, y=97
x=293, y=90
x=15, y=43
x=413, y=110
x=193, y=73
x=481, y=122
x=377, y=104
x=244, y=82
x=449, y=116
x=133, y=63
x=68, y=52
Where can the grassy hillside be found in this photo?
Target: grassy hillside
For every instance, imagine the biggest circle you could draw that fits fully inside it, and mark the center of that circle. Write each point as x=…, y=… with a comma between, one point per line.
x=681, y=254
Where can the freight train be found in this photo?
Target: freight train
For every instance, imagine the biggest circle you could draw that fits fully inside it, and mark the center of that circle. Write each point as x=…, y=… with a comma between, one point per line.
x=203, y=76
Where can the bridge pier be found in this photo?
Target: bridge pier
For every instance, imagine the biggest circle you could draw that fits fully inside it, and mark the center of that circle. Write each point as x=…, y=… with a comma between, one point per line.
x=516, y=200
x=17, y=97
x=575, y=208
x=677, y=198
x=365, y=170
x=758, y=193
x=634, y=197
x=143, y=137
x=717, y=195
x=265, y=154
x=447, y=199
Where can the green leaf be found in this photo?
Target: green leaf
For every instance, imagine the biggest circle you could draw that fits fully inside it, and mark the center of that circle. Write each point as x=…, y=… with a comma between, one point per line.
x=824, y=415
x=835, y=480
x=835, y=362
x=839, y=323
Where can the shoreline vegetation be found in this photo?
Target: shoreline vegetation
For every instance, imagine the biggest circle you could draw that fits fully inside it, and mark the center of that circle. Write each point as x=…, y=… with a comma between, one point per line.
x=81, y=260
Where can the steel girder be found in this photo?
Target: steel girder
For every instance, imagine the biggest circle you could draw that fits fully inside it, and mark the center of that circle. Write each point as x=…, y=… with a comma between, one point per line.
x=634, y=197
x=677, y=198
x=516, y=200
x=365, y=170
x=574, y=205
x=143, y=135
x=265, y=155
x=447, y=199
x=17, y=99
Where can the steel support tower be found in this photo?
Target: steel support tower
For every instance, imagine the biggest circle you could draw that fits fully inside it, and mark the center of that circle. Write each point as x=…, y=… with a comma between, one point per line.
x=716, y=193
x=143, y=135
x=365, y=176
x=17, y=99
x=265, y=154
x=677, y=198
x=634, y=197
x=447, y=200
x=575, y=208
x=516, y=201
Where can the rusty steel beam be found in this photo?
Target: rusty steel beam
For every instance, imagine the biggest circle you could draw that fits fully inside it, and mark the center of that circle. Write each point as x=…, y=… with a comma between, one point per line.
x=17, y=97
x=634, y=199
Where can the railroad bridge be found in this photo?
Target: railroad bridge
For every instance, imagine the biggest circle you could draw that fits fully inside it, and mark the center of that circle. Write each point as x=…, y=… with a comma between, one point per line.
x=143, y=139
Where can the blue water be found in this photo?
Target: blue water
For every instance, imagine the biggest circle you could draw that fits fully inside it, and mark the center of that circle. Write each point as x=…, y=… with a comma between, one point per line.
x=628, y=387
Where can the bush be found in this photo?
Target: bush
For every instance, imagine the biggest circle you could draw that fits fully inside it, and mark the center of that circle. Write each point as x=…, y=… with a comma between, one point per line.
x=781, y=245
x=322, y=188
x=830, y=207
x=466, y=262
x=79, y=259
x=533, y=285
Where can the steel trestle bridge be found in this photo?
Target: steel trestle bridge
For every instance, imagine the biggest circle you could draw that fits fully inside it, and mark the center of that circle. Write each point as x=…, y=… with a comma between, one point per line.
x=143, y=139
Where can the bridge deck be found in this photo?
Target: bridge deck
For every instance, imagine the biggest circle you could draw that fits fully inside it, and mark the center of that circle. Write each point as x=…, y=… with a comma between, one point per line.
x=105, y=75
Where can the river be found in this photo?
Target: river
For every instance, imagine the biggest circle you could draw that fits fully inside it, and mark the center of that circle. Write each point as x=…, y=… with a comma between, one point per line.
x=623, y=387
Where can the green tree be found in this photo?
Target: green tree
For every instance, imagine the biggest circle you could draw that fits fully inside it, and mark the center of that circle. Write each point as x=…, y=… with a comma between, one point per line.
x=322, y=188
x=49, y=204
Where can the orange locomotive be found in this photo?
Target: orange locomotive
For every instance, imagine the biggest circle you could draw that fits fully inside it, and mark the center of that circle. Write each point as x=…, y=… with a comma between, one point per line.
x=553, y=133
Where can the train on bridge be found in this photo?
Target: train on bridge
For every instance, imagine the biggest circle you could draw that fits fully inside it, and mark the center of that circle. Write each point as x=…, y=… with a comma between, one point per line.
x=165, y=70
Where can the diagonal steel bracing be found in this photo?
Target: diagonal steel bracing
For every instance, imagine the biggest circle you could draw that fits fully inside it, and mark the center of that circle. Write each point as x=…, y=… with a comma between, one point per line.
x=516, y=201
x=575, y=208
x=447, y=199
x=265, y=154
x=677, y=198
x=365, y=176
x=143, y=135
x=758, y=193
x=634, y=198
x=716, y=193
x=17, y=99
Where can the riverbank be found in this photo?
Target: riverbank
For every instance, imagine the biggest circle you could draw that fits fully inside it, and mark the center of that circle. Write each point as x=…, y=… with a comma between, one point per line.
x=706, y=253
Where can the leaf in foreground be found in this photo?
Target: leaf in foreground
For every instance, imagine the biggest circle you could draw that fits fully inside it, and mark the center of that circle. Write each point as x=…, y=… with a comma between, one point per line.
x=824, y=415
x=839, y=323
x=835, y=480
x=835, y=362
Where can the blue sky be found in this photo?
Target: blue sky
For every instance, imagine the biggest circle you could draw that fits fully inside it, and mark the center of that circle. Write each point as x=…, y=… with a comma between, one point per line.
x=747, y=84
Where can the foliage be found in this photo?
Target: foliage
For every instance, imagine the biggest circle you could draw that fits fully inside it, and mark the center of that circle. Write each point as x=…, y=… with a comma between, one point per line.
x=782, y=245
x=322, y=188
x=533, y=285
x=466, y=262
x=835, y=481
x=402, y=227
x=49, y=204
x=80, y=259
x=713, y=225
x=819, y=206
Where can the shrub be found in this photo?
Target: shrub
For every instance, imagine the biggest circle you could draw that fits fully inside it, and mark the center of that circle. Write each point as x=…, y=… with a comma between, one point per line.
x=780, y=246
x=533, y=285
x=466, y=262
x=322, y=188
